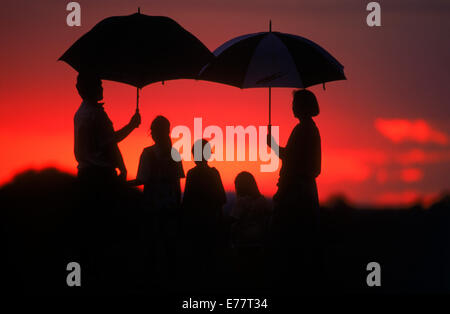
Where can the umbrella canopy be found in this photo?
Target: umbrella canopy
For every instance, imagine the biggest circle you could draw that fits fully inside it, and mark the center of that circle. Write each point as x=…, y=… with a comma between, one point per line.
x=272, y=59
x=138, y=50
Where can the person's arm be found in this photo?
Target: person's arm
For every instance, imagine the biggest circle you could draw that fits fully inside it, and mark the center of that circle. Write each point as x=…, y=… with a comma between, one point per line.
x=279, y=151
x=106, y=134
x=143, y=171
x=181, y=175
x=179, y=164
x=121, y=134
x=120, y=164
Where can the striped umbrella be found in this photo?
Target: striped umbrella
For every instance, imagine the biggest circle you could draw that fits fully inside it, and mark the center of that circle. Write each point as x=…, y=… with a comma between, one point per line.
x=272, y=59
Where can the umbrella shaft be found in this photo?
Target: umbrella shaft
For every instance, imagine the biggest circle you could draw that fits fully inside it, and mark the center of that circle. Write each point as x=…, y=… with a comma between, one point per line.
x=270, y=105
x=137, y=99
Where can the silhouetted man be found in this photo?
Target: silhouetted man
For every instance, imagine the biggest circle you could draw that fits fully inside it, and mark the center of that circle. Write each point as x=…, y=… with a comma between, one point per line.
x=96, y=148
x=98, y=157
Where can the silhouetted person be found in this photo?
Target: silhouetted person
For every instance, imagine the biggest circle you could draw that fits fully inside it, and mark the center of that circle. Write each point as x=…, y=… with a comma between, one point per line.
x=160, y=174
x=98, y=157
x=250, y=230
x=251, y=211
x=96, y=148
x=158, y=171
x=296, y=204
x=296, y=200
x=204, y=196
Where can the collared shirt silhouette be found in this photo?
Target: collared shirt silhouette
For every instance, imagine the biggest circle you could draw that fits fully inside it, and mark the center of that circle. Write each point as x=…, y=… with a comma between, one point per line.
x=95, y=140
x=95, y=144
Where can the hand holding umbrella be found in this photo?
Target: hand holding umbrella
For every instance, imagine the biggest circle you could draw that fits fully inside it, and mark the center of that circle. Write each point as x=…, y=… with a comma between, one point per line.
x=136, y=119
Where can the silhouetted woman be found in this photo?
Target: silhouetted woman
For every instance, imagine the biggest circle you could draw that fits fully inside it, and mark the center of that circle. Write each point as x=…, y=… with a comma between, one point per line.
x=161, y=173
x=296, y=201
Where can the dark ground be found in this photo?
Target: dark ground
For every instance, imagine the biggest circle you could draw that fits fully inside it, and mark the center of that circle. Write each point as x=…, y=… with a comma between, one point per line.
x=45, y=224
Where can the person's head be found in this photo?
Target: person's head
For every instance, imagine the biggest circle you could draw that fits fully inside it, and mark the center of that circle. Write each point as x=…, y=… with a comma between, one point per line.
x=89, y=87
x=245, y=185
x=160, y=130
x=304, y=104
x=201, y=150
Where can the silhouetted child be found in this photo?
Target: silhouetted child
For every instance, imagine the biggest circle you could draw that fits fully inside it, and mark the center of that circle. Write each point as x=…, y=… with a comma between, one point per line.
x=203, y=198
x=252, y=213
x=249, y=231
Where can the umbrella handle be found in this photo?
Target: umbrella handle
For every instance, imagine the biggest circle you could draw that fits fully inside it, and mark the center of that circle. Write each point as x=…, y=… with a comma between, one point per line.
x=269, y=129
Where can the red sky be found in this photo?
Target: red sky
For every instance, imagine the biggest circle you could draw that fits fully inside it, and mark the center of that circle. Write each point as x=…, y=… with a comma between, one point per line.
x=385, y=131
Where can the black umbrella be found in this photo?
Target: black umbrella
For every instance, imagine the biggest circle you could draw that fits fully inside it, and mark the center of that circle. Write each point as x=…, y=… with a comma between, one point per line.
x=138, y=50
x=272, y=59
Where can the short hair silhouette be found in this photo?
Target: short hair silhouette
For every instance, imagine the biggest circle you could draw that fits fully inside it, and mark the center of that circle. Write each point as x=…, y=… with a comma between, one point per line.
x=160, y=129
x=88, y=85
x=160, y=125
x=305, y=104
x=203, y=147
x=246, y=185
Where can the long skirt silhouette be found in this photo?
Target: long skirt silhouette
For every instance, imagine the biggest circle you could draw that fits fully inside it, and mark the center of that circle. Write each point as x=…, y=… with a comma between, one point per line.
x=294, y=232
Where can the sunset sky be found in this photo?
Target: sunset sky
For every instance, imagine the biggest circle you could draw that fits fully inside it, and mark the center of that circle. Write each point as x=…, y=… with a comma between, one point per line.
x=385, y=131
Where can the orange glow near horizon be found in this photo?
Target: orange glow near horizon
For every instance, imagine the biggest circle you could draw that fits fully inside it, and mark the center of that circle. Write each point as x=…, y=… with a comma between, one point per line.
x=381, y=143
